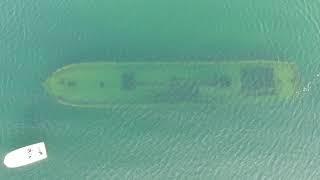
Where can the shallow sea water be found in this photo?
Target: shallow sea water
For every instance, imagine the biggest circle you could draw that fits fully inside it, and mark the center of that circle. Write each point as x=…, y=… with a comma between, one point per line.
x=222, y=140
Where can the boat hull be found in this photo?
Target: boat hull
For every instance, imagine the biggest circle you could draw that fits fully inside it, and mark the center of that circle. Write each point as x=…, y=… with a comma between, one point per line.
x=26, y=155
x=102, y=84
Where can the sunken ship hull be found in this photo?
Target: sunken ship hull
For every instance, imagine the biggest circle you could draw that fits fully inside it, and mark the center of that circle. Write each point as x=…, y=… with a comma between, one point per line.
x=102, y=84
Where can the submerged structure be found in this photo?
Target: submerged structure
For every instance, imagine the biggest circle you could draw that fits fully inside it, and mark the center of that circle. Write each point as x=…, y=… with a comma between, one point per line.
x=102, y=84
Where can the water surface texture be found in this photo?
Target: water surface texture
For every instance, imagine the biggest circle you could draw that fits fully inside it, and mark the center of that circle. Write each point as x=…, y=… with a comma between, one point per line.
x=221, y=140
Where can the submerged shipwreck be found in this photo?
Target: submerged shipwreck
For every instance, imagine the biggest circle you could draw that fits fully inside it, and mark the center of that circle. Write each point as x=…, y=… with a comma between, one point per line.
x=102, y=84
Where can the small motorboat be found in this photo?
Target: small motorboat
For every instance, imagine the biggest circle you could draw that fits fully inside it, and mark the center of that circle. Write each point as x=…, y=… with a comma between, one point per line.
x=25, y=155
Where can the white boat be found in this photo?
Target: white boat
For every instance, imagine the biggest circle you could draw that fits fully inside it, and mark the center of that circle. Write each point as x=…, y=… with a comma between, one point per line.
x=25, y=155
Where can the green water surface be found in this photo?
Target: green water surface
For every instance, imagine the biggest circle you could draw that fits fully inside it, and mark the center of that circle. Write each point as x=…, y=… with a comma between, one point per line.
x=234, y=141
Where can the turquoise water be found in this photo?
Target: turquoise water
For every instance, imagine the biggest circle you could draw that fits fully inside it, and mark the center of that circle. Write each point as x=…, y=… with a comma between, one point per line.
x=225, y=140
